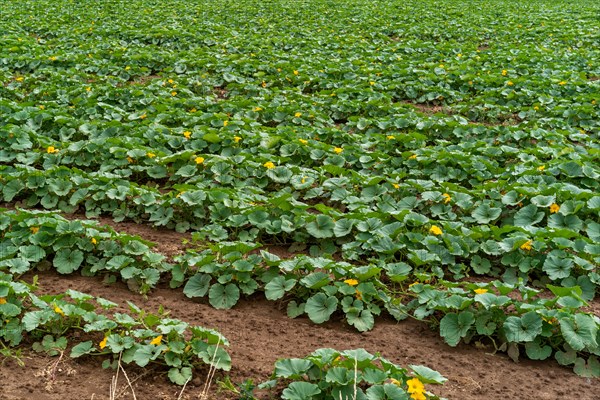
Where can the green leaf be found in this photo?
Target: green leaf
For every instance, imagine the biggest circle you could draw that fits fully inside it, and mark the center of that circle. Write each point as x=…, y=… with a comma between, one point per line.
x=300, y=391
x=294, y=309
x=566, y=357
x=223, y=296
x=589, y=369
x=362, y=320
x=66, y=261
x=528, y=216
x=454, y=327
x=485, y=214
x=180, y=376
x=427, y=375
x=278, y=286
x=292, y=368
x=579, y=331
x=197, y=285
x=536, y=352
x=339, y=375
x=82, y=349
x=523, y=329
x=320, y=307
x=321, y=227
x=558, y=266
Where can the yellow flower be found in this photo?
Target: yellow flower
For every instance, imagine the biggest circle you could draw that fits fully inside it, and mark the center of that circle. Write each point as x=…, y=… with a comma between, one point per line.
x=396, y=186
x=156, y=341
x=459, y=55
x=541, y=168
x=199, y=160
x=371, y=83
x=150, y=155
x=2, y=300
x=269, y=165
x=19, y=79
x=170, y=81
x=504, y=72
x=298, y=115
x=41, y=107
x=554, y=208
x=414, y=283
x=237, y=139
x=142, y=116
x=391, y=137
x=447, y=198
x=435, y=230
x=51, y=150
x=34, y=229
x=481, y=291
x=173, y=93
x=127, y=68
x=415, y=386
x=526, y=245
x=395, y=382
x=88, y=89
x=102, y=344
x=509, y=83
x=53, y=58
x=296, y=72
x=441, y=65
x=263, y=84
x=258, y=109
x=58, y=310
x=187, y=134
x=413, y=157
x=418, y=396
x=225, y=123
x=130, y=160
x=358, y=295
x=351, y=282
x=562, y=83
x=94, y=241
x=536, y=108
x=337, y=150
x=303, y=141
x=193, y=110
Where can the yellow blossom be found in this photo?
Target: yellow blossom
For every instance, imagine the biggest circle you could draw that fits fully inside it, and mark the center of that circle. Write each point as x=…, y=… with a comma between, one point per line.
x=296, y=72
x=130, y=160
x=536, y=108
x=170, y=81
x=396, y=186
x=441, y=65
x=51, y=150
x=41, y=107
x=94, y=241
x=395, y=382
x=541, y=168
x=102, y=344
x=413, y=157
x=414, y=283
x=150, y=155
x=88, y=89
x=2, y=300
x=34, y=229
x=156, y=341
x=447, y=198
x=127, y=68
x=53, y=58
x=554, y=208
x=142, y=116
x=298, y=115
x=269, y=165
x=435, y=230
x=509, y=83
x=504, y=72
x=173, y=93
x=258, y=109
x=562, y=83
x=19, y=79
x=225, y=123
x=58, y=310
x=526, y=245
x=371, y=83
x=303, y=141
x=193, y=110
x=481, y=291
x=337, y=150
x=418, y=396
x=415, y=386
x=351, y=282
x=199, y=160
x=237, y=139
x=263, y=84
x=391, y=137
x=358, y=295
x=187, y=134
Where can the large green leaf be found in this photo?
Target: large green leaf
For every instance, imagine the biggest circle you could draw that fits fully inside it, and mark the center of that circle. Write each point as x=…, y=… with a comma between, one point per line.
x=320, y=307
x=66, y=261
x=223, y=296
x=300, y=391
x=321, y=227
x=523, y=329
x=454, y=327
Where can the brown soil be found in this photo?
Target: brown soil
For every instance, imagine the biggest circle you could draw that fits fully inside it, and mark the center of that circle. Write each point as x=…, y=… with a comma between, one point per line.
x=260, y=333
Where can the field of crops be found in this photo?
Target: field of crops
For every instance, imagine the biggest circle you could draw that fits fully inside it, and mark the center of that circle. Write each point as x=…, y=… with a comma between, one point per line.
x=357, y=165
